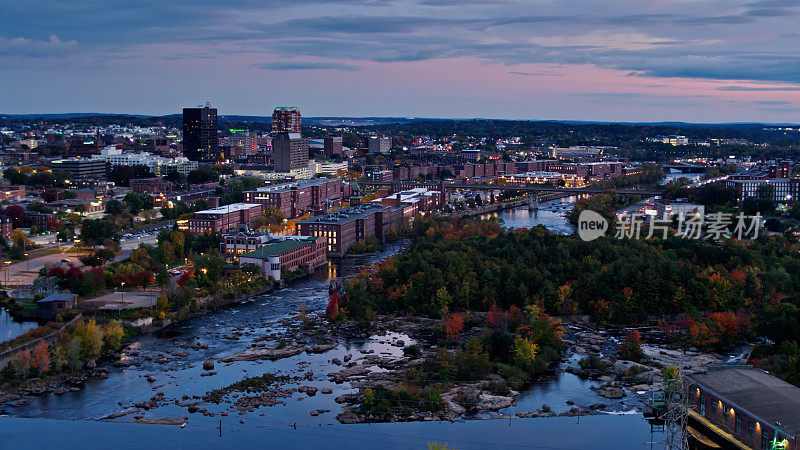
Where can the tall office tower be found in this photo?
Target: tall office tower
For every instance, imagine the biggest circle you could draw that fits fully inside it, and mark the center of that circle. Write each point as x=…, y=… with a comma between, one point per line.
x=380, y=144
x=200, y=141
x=332, y=146
x=289, y=152
x=286, y=119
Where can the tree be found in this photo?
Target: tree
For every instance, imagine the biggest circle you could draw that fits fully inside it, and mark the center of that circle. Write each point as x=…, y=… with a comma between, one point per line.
x=72, y=353
x=208, y=268
x=39, y=207
x=273, y=215
x=141, y=257
x=122, y=175
x=176, y=178
x=40, y=358
x=114, y=207
x=91, y=338
x=14, y=176
x=18, y=238
x=166, y=252
x=113, y=335
x=179, y=241
x=21, y=363
x=452, y=324
x=17, y=215
x=631, y=349
x=134, y=201
x=95, y=232
x=162, y=277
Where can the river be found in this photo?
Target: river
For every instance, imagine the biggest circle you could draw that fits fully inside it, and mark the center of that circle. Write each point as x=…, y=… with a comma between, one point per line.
x=10, y=328
x=552, y=214
x=235, y=328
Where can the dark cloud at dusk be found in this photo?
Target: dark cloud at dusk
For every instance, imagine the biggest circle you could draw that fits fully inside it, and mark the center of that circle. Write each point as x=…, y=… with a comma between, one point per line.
x=619, y=60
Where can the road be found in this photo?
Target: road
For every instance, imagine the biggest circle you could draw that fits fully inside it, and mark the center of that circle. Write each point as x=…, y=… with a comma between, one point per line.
x=23, y=273
x=129, y=245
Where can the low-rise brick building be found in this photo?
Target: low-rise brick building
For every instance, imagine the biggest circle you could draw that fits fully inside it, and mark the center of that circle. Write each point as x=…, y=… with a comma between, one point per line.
x=299, y=197
x=223, y=218
x=743, y=406
x=287, y=253
x=152, y=186
x=344, y=227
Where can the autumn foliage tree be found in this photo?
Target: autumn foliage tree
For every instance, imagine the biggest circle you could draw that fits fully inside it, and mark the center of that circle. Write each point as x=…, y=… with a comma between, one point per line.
x=631, y=347
x=40, y=358
x=452, y=325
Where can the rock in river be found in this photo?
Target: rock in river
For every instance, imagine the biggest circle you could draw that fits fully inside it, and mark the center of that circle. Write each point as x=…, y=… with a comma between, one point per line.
x=271, y=352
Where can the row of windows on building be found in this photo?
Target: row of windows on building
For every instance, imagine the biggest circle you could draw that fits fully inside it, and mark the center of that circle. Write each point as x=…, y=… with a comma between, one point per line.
x=710, y=410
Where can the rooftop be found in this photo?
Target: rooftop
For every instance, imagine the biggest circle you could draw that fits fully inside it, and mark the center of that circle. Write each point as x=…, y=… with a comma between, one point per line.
x=57, y=298
x=347, y=214
x=234, y=207
x=292, y=184
x=763, y=395
x=279, y=247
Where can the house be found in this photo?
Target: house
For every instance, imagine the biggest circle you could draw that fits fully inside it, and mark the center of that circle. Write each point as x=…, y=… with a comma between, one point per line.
x=55, y=304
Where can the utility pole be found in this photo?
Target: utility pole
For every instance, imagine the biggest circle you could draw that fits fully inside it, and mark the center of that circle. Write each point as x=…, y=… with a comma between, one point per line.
x=220, y=427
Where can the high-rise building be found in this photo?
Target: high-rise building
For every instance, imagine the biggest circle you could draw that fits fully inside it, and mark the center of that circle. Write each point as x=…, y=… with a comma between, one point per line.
x=200, y=133
x=380, y=144
x=289, y=152
x=286, y=119
x=332, y=146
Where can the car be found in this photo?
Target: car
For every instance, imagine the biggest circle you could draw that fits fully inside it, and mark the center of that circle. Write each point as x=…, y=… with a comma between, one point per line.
x=65, y=261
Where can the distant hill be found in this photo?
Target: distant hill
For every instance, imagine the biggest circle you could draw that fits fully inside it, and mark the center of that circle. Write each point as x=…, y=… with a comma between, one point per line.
x=375, y=120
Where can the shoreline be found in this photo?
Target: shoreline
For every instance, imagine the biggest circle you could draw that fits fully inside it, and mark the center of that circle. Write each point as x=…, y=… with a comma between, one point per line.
x=497, y=207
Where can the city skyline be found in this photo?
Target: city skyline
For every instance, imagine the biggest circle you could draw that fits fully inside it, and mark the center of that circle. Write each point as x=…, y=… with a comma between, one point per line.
x=706, y=61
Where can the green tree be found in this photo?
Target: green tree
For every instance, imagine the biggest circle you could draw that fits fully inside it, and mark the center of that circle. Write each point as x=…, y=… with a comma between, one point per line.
x=91, y=338
x=95, y=232
x=114, y=207
x=113, y=334
x=134, y=201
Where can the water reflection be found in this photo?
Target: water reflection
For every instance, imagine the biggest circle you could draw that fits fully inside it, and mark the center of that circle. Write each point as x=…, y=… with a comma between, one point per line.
x=552, y=214
x=10, y=328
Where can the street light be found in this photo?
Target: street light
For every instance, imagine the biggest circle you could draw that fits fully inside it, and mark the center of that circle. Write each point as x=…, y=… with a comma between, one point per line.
x=7, y=263
x=122, y=292
x=29, y=262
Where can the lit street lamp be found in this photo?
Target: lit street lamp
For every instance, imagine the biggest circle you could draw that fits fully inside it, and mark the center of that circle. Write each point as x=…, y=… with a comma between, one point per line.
x=29, y=262
x=7, y=263
x=122, y=292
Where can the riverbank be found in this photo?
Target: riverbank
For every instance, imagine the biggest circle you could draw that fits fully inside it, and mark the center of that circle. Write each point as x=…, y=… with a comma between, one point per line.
x=15, y=391
x=504, y=206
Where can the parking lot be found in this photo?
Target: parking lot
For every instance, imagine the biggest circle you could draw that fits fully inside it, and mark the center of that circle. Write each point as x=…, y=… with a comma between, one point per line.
x=123, y=300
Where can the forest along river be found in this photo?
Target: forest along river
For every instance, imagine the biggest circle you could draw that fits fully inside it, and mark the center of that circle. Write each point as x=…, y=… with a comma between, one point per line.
x=225, y=332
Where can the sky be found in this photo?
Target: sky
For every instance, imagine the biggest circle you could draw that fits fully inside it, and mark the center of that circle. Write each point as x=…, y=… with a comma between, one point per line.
x=614, y=60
